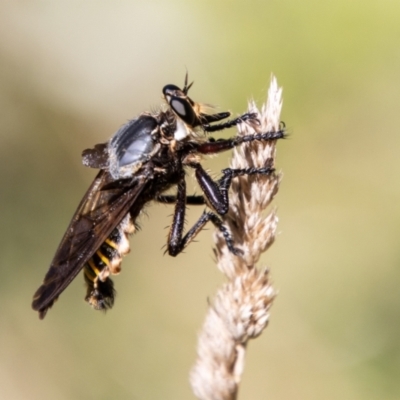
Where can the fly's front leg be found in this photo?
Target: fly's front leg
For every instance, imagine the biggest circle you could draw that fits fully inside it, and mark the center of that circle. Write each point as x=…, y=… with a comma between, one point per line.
x=229, y=124
x=206, y=119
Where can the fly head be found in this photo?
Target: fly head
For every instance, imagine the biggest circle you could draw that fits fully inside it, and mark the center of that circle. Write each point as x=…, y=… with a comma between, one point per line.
x=182, y=105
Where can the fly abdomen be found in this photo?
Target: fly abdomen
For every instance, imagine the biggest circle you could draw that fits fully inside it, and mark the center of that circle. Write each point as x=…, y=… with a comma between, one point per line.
x=106, y=261
x=100, y=294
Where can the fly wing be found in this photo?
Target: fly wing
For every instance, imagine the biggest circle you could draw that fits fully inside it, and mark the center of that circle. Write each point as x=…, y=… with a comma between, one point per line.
x=102, y=208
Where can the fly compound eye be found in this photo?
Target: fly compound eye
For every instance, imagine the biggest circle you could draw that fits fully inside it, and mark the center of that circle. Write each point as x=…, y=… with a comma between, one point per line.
x=180, y=106
x=183, y=108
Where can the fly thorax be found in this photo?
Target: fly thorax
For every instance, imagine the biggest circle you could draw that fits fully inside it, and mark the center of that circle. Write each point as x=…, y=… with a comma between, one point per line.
x=132, y=146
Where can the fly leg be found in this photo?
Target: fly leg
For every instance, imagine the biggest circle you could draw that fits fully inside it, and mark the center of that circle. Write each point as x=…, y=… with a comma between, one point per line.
x=176, y=240
x=192, y=200
x=229, y=124
x=216, y=192
x=216, y=195
x=216, y=146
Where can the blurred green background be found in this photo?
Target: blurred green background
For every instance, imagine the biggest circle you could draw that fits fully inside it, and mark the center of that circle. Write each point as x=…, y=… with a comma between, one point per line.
x=72, y=72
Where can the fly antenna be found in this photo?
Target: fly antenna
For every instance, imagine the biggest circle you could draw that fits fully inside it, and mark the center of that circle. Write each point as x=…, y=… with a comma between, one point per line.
x=186, y=87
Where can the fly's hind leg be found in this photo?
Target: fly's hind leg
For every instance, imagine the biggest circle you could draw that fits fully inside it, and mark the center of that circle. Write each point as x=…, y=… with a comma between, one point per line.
x=216, y=192
x=177, y=241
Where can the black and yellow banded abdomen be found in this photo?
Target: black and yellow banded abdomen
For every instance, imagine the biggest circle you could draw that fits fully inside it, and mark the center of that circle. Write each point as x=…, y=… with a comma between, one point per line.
x=106, y=261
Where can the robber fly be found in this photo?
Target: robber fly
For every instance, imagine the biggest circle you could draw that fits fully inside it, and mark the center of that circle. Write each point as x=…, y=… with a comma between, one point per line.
x=145, y=158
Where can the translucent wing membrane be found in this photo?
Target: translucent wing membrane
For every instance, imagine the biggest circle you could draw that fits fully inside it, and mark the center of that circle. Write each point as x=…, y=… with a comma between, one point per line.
x=96, y=217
